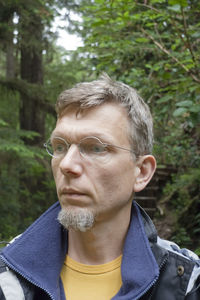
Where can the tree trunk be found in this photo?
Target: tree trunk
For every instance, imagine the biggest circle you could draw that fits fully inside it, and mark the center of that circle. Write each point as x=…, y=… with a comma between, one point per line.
x=31, y=116
x=10, y=61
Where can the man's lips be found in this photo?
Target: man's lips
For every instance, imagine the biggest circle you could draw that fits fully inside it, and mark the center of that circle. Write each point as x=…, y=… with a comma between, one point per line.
x=72, y=196
x=70, y=191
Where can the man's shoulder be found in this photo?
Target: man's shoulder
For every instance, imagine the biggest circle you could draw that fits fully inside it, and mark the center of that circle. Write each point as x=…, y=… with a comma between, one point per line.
x=174, y=248
x=184, y=261
x=12, y=285
x=9, y=283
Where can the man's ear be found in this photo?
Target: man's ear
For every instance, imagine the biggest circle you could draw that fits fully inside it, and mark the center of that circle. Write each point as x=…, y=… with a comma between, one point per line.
x=145, y=168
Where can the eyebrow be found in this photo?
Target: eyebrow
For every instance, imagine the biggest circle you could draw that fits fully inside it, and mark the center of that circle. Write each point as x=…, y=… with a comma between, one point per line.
x=108, y=139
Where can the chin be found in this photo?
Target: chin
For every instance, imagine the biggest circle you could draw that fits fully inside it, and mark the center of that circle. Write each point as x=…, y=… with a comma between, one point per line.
x=80, y=219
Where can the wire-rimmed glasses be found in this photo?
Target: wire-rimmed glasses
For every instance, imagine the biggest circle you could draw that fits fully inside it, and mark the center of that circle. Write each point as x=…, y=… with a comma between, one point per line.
x=90, y=147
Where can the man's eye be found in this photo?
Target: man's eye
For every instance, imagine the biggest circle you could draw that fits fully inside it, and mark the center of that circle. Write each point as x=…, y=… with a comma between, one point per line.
x=93, y=148
x=98, y=148
x=59, y=148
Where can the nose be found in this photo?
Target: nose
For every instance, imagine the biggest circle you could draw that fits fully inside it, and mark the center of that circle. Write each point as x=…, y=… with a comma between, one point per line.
x=71, y=164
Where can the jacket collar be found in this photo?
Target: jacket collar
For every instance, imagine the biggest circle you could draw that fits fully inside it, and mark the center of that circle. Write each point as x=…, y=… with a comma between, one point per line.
x=139, y=268
x=38, y=254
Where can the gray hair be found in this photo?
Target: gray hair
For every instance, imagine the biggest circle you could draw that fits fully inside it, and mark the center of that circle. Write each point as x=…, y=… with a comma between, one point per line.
x=97, y=92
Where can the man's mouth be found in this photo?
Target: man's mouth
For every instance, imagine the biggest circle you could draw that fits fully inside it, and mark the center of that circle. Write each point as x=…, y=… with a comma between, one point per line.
x=71, y=191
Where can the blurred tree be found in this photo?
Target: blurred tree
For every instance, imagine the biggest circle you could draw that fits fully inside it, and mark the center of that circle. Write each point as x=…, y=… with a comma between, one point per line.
x=28, y=87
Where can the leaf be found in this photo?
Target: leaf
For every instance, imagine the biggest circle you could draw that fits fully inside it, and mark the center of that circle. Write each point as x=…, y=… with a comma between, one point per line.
x=142, y=40
x=195, y=108
x=186, y=103
x=179, y=112
x=3, y=123
x=175, y=8
x=196, y=34
x=164, y=99
x=183, y=3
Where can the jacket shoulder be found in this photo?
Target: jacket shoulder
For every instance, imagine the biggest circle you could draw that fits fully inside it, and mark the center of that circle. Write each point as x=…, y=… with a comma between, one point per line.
x=13, y=286
x=10, y=287
x=181, y=273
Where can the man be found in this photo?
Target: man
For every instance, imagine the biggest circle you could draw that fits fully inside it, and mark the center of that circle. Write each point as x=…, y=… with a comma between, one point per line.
x=107, y=247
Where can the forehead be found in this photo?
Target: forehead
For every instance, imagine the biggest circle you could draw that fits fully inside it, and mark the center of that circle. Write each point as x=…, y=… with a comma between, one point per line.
x=109, y=120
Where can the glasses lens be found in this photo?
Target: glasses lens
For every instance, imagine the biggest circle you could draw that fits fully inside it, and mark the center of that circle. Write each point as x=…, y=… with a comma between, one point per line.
x=48, y=148
x=57, y=148
x=92, y=147
x=89, y=147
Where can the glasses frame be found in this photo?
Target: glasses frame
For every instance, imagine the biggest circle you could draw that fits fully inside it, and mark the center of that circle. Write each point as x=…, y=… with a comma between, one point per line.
x=105, y=145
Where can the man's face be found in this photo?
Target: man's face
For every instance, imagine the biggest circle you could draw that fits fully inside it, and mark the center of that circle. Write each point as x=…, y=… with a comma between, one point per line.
x=105, y=186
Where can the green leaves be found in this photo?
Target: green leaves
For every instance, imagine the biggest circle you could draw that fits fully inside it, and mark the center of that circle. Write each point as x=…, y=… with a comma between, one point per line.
x=186, y=107
x=141, y=40
x=165, y=99
x=175, y=8
x=179, y=111
x=182, y=3
x=3, y=123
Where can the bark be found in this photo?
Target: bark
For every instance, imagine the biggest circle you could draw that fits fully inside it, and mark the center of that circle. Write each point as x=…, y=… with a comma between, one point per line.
x=10, y=61
x=32, y=117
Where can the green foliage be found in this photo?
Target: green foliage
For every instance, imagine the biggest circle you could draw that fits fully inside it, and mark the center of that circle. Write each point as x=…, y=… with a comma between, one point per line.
x=27, y=186
x=183, y=195
x=181, y=237
x=25, y=177
x=64, y=70
x=26, y=191
x=186, y=186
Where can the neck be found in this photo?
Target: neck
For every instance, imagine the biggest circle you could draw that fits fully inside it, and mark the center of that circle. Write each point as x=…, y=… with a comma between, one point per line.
x=101, y=244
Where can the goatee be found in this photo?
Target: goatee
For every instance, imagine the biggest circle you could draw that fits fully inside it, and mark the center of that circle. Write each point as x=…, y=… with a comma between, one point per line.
x=77, y=219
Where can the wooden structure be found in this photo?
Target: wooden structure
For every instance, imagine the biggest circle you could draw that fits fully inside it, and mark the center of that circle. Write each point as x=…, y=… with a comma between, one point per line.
x=149, y=197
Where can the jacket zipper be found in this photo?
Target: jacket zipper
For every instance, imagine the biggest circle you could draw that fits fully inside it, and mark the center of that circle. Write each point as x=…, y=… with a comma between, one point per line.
x=31, y=281
x=155, y=280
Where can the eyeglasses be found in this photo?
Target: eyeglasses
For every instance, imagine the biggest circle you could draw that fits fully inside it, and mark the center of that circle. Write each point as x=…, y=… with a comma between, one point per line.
x=89, y=147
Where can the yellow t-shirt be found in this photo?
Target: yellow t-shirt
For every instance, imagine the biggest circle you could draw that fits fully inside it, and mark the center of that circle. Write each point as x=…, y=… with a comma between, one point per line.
x=91, y=282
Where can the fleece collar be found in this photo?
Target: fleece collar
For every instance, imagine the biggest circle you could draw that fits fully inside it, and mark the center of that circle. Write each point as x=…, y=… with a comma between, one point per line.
x=139, y=268
x=38, y=255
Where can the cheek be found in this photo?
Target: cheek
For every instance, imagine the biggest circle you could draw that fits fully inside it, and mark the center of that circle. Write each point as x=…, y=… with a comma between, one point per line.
x=54, y=167
x=114, y=179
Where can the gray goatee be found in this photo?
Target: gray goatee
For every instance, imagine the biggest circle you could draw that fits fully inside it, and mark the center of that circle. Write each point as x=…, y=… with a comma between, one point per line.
x=78, y=219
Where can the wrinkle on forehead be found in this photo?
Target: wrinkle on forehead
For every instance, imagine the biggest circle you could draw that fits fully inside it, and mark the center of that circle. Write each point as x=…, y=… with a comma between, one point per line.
x=69, y=109
x=80, y=110
x=76, y=110
x=108, y=119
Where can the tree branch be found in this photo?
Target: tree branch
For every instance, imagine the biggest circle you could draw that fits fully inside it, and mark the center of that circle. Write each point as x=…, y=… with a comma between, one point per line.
x=163, y=49
x=33, y=92
x=148, y=6
x=187, y=37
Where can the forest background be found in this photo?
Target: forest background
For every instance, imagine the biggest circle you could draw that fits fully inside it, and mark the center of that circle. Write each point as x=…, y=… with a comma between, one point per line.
x=152, y=45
